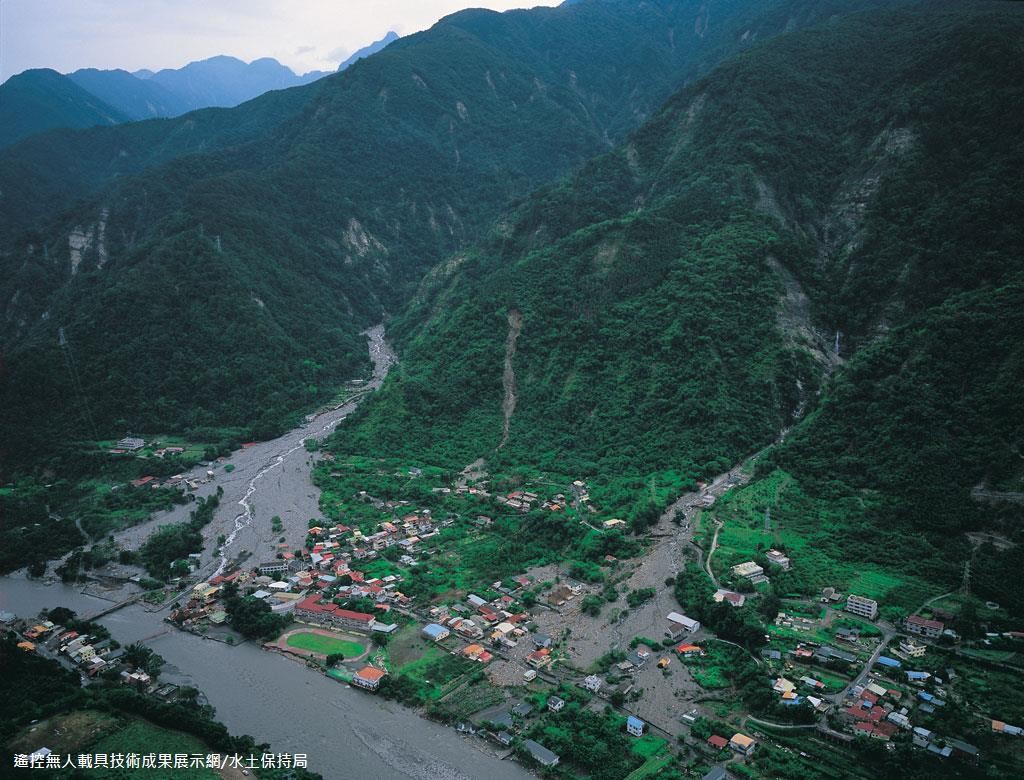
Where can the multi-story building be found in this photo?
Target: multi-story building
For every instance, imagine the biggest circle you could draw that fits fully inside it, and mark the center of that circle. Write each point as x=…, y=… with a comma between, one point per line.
x=864, y=607
x=315, y=611
x=930, y=628
x=778, y=558
x=747, y=569
x=912, y=649
x=273, y=567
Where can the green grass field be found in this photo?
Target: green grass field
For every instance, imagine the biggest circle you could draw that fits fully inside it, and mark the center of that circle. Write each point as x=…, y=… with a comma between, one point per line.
x=142, y=737
x=648, y=745
x=651, y=767
x=325, y=645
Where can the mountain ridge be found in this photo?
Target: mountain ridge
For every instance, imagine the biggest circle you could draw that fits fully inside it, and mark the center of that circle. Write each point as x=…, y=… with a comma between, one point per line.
x=381, y=172
x=665, y=292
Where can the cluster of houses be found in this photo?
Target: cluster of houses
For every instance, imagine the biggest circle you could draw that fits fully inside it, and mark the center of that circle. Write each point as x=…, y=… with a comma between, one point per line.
x=944, y=748
x=878, y=711
x=176, y=481
x=286, y=586
x=90, y=654
x=790, y=696
x=342, y=543
x=133, y=444
x=503, y=724
x=522, y=501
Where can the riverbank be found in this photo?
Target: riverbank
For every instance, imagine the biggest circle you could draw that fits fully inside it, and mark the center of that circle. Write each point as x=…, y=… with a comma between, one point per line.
x=344, y=731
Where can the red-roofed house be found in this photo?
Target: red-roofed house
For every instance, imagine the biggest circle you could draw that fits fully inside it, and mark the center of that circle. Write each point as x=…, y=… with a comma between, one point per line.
x=717, y=742
x=882, y=731
x=687, y=649
x=858, y=713
x=368, y=677
x=538, y=658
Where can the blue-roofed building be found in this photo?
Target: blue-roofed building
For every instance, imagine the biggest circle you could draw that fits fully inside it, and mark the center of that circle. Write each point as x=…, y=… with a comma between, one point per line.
x=918, y=676
x=892, y=663
x=944, y=752
x=435, y=632
x=539, y=753
x=635, y=726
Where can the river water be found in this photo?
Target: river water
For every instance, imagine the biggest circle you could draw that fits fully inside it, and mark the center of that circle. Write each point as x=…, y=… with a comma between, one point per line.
x=346, y=733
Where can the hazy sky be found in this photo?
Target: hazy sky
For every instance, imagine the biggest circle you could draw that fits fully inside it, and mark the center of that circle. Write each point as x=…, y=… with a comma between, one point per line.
x=303, y=34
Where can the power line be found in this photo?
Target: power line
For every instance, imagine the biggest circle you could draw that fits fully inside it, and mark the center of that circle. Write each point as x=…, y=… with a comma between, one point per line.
x=69, y=361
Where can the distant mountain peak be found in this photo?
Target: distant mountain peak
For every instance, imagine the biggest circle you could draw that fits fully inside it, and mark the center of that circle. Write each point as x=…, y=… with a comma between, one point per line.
x=373, y=48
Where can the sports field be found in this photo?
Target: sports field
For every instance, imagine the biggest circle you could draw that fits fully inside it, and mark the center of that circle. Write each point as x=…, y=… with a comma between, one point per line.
x=324, y=644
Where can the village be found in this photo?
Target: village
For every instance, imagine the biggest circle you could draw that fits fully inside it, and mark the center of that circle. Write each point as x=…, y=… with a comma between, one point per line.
x=521, y=660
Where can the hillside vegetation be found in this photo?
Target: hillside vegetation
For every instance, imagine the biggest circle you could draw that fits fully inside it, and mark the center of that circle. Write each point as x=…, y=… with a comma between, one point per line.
x=42, y=99
x=679, y=297
x=228, y=287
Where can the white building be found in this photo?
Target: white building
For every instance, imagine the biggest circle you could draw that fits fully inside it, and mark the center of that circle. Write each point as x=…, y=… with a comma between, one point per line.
x=912, y=649
x=864, y=607
x=687, y=623
x=747, y=569
x=778, y=558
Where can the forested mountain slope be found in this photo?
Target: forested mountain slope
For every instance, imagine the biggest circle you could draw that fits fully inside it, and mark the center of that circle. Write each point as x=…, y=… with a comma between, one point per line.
x=227, y=81
x=228, y=287
x=133, y=97
x=43, y=99
x=44, y=175
x=675, y=303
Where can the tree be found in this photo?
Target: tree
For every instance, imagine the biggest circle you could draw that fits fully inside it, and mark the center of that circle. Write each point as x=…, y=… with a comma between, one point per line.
x=142, y=657
x=591, y=605
x=334, y=659
x=253, y=618
x=769, y=606
x=61, y=615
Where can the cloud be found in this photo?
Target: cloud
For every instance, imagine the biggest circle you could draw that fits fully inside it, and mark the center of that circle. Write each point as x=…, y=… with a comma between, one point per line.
x=338, y=54
x=304, y=50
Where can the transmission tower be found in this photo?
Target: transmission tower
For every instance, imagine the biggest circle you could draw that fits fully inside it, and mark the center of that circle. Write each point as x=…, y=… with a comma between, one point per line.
x=965, y=584
x=69, y=361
